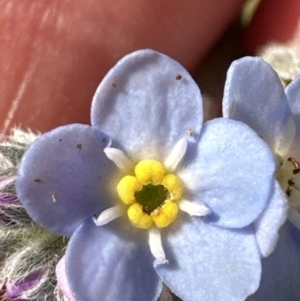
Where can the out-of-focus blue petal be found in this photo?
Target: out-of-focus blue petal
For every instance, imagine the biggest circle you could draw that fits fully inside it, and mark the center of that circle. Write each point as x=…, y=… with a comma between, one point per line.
x=293, y=96
x=209, y=263
x=254, y=94
x=232, y=172
x=65, y=177
x=109, y=263
x=146, y=104
x=281, y=270
x=268, y=224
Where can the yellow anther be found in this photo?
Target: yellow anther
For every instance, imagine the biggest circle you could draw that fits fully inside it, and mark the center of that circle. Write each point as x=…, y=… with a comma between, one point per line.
x=127, y=187
x=149, y=171
x=165, y=215
x=174, y=186
x=138, y=217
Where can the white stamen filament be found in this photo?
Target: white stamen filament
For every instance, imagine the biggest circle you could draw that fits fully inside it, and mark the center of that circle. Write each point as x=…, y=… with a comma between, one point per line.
x=193, y=208
x=156, y=247
x=118, y=157
x=109, y=215
x=294, y=217
x=176, y=155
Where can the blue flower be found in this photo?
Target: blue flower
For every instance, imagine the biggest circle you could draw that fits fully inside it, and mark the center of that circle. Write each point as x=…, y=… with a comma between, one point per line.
x=255, y=95
x=135, y=185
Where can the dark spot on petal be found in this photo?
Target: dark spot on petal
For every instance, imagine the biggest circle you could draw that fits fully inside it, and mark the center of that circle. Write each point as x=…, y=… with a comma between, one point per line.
x=60, y=140
x=295, y=171
x=291, y=182
x=178, y=77
x=114, y=85
x=79, y=146
x=104, y=140
x=38, y=180
x=191, y=132
x=288, y=191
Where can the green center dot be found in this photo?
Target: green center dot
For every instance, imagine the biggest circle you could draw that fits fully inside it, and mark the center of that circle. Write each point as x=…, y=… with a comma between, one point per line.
x=151, y=197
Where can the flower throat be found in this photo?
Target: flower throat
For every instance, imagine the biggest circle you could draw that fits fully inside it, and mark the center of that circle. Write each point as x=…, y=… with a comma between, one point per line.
x=151, y=197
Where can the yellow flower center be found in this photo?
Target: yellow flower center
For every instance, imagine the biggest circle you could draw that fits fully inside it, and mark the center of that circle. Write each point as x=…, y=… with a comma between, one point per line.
x=151, y=195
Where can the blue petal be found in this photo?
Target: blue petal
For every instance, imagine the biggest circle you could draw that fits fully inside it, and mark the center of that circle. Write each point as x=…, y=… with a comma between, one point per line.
x=209, y=263
x=65, y=177
x=293, y=95
x=281, y=270
x=268, y=224
x=254, y=94
x=146, y=104
x=111, y=263
x=232, y=172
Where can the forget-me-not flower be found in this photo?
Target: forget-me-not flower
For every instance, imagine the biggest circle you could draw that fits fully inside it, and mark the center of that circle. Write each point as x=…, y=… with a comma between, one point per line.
x=146, y=180
x=255, y=95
